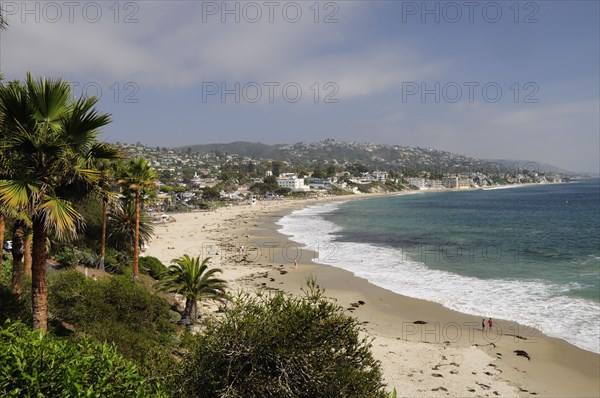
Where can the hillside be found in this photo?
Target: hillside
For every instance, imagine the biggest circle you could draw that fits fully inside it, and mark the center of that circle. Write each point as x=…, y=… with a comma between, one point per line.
x=374, y=156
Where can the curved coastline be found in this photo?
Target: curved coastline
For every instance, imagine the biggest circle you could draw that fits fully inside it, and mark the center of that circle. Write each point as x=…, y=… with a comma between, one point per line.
x=531, y=302
x=446, y=355
x=556, y=368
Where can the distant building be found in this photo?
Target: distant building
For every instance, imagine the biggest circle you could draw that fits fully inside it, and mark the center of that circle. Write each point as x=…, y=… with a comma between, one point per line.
x=196, y=181
x=464, y=183
x=436, y=184
x=380, y=176
x=450, y=182
x=319, y=183
x=292, y=182
x=417, y=182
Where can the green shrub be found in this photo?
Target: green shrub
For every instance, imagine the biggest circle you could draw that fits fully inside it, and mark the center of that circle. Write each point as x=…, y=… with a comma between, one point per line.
x=281, y=346
x=66, y=258
x=6, y=274
x=13, y=306
x=119, y=311
x=88, y=258
x=152, y=266
x=34, y=364
x=116, y=261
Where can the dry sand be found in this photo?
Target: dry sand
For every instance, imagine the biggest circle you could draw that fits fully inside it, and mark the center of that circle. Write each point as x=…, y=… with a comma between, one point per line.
x=445, y=354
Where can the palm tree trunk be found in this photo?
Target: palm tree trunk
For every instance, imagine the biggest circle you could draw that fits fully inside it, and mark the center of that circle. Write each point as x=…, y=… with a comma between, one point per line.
x=27, y=259
x=136, y=239
x=39, y=293
x=103, y=241
x=17, y=254
x=188, y=309
x=2, y=227
x=193, y=311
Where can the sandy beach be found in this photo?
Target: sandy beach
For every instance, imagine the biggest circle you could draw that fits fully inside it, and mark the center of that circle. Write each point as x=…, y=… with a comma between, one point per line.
x=425, y=349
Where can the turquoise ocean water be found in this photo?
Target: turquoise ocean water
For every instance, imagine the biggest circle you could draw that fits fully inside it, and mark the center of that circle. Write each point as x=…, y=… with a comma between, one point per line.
x=528, y=254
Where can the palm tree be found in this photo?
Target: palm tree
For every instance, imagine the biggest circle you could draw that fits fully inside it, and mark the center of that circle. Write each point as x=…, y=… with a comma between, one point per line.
x=53, y=139
x=18, y=244
x=121, y=223
x=192, y=279
x=108, y=198
x=138, y=177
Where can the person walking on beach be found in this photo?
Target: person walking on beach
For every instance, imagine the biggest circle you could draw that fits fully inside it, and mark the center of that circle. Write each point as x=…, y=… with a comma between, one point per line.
x=490, y=323
x=483, y=324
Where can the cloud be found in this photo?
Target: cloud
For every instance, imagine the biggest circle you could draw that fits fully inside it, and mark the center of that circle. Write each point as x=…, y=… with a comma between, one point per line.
x=563, y=134
x=177, y=46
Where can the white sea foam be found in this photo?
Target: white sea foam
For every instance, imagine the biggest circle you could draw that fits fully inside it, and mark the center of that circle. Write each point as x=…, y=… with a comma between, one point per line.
x=535, y=303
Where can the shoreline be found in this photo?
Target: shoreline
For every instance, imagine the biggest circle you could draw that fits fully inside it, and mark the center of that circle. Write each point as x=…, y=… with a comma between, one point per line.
x=446, y=353
x=389, y=267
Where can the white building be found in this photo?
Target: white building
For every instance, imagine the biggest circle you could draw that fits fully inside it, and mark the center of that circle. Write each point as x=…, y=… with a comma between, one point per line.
x=436, y=184
x=417, y=182
x=450, y=182
x=292, y=182
x=380, y=176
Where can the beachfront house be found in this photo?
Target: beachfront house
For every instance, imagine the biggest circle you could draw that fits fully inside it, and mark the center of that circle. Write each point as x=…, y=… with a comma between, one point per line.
x=292, y=182
x=319, y=183
x=417, y=182
x=450, y=182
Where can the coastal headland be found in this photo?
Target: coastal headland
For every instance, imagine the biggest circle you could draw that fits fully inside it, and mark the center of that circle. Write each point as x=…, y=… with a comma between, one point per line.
x=425, y=349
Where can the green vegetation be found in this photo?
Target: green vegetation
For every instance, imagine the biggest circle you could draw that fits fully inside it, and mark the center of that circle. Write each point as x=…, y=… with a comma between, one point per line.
x=34, y=364
x=66, y=258
x=115, y=310
x=152, y=266
x=50, y=146
x=281, y=346
x=137, y=178
x=269, y=185
x=14, y=306
x=194, y=281
x=122, y=227
x=276, y=345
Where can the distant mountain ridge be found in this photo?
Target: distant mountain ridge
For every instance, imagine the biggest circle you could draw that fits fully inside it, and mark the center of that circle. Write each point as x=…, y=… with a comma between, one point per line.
x=382, y=156
x=526, y=163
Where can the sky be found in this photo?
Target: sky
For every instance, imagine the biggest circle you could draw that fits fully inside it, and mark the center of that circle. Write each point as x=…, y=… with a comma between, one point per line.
x=488, y=79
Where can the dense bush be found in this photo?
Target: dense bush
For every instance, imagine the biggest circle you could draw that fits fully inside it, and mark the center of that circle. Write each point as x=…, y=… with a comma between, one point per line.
x=87, y=258
x=66, y=258
x=116, y=261
x=34, y=364
x=281, y=346
x=15, y=307
x=6, y=274
x=152, y=266
x=119, y=311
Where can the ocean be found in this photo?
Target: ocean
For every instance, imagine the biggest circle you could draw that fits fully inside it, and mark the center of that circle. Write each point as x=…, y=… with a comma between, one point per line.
x=529, y=254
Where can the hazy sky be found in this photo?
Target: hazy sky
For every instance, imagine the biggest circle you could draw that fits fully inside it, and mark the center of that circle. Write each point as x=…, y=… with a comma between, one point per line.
x=504, y=79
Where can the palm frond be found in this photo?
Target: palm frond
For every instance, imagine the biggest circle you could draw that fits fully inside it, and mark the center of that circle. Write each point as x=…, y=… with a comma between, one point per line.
x=49, y=99
x=82, y=123
x=121, y=226
x=17, y=194
x=61, y=217
x=192, y=278
x=102, y=150
x=15, y=106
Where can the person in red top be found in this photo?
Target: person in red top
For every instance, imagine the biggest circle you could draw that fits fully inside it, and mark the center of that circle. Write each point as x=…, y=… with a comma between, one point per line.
x=490, y=323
